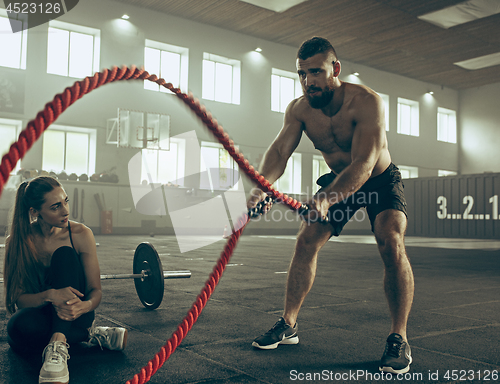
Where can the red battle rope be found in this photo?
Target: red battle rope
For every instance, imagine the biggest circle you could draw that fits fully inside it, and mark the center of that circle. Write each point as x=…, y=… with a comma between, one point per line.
x=51, y=112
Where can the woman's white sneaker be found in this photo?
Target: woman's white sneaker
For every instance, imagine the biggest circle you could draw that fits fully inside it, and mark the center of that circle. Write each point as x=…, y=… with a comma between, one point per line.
x=112, y=338
x=55, y=363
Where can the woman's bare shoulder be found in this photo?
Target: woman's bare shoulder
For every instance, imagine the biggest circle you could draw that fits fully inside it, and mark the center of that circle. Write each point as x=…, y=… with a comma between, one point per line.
x=81, y=233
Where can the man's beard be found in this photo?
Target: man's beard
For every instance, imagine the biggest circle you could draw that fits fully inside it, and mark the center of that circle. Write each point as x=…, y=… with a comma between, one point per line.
x=318, y=102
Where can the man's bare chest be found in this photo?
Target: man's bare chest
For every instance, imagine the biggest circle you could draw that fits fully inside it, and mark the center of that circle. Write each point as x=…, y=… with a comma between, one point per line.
x=330, y=134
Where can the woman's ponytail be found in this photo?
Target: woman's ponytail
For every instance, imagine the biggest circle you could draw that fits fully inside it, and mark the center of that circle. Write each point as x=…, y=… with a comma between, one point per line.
x=23, y=271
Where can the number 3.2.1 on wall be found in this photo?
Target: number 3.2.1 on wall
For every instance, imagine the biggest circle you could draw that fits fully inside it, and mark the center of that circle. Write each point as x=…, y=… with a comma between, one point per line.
x=468, y=200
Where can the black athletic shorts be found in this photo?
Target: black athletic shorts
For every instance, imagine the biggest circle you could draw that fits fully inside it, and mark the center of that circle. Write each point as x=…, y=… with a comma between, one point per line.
x=379, y=193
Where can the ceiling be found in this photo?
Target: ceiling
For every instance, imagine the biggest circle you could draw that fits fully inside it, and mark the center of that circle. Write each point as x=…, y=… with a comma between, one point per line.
x=381, y=34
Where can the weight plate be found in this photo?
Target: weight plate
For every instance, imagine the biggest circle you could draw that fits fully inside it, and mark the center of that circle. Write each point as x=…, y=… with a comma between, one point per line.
x=150, y=288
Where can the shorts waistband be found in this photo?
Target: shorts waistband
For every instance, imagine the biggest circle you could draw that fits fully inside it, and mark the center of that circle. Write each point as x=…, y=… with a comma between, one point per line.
x=384, y=178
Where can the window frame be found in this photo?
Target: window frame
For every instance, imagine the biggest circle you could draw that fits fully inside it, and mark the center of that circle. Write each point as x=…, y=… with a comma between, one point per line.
x=414, y=129
x=445, y=173
x=92, y=149
x=74, y=28
x=279, y=74
x=17, y=125
x=295, y=161
x=235, y=78
x=413, y=171
x=203, y=168
x=24, y=40
x=183, y=65
x=180, y=164
x=449, y=114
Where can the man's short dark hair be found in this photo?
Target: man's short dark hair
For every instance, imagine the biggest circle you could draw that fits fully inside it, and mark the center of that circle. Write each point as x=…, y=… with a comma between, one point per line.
x=313, y=46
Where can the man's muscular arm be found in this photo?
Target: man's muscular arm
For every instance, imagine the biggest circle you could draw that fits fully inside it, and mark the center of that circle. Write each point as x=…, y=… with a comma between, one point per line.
x=275, y=159
x=367, y=143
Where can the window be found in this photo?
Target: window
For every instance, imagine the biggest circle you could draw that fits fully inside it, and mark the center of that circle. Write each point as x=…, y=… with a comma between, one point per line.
x=408, y=112
x=447, y=125
x=408, y=172
x=443, y=172
x=285, y=86
x=70, y=149
x=319, y=168
x=385, y=98
x=221, y=79
x=13, y=46
x=290, y=181
x=72, y=50
x=160, y=166
x=9, y=132
x=168, y=62
x=223, y=172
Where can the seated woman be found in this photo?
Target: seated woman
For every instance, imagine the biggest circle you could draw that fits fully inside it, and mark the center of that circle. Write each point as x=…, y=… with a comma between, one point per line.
x=52, y=280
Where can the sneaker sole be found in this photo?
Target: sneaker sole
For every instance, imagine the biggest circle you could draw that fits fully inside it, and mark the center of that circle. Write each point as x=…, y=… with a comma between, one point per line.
x=291, y=340
x=396, y=371
x=63, y=380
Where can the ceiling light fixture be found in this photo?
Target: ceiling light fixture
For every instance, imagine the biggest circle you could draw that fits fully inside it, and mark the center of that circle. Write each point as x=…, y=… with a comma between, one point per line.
x=125, y=17
x=258, y=49
x=275, y=5
x=355, y=73
x=480, y=62
x=462, y=13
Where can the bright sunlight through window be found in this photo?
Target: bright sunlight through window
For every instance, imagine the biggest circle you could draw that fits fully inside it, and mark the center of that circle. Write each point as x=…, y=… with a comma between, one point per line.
x=72, y=50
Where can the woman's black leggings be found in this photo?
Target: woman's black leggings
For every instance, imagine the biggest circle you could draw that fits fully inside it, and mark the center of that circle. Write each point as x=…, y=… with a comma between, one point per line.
x=30, y=329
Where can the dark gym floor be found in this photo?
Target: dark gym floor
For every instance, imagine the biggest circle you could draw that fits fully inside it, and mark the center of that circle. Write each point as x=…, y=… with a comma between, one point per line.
x=453, y=327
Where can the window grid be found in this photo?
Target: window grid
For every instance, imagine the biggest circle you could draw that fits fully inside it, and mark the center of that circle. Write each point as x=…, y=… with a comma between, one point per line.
x=214, y=156
x=55, y=154
x=290, y=181
x=163, y=166
x=9, y=131
x=13, y=46
x=447, y=125
x=169, y=62
x=221, y=79
x=285, y=87
x=408, y=172
x=442, y=172
x=408, y=117
x=72, y=50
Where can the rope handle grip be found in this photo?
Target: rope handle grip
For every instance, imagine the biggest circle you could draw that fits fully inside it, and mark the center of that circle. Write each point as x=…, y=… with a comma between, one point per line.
x=304, y=210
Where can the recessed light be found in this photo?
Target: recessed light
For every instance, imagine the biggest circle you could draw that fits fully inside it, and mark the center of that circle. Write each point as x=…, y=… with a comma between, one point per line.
x=461, y=13
x=258, y=49
x=431, y=92
x=480, y=62
x=355, y=73
x=275, y=5
x=125, y=17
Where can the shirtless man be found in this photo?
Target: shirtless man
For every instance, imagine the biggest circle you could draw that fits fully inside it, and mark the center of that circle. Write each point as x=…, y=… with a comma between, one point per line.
x=345, y=122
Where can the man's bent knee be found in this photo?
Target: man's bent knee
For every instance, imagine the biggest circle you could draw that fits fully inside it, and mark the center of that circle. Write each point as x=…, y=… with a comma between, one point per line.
x=312, y=236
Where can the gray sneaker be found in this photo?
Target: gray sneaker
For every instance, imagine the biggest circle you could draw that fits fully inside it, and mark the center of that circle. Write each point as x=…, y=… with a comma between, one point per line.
x=280, y=333
x=55, y=366
x=397, y=355
x=112, y=338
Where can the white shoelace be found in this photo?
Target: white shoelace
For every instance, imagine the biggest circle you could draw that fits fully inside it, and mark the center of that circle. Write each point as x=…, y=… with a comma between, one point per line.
x=55, y=351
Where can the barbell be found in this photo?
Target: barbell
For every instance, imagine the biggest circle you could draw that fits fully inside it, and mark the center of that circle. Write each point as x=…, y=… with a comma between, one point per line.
x=148, y=275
